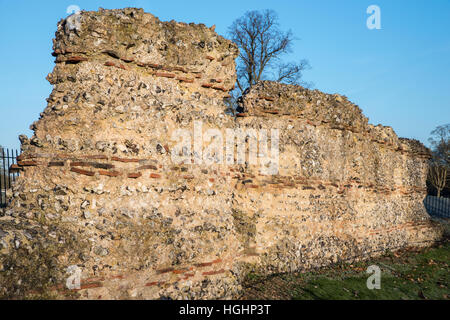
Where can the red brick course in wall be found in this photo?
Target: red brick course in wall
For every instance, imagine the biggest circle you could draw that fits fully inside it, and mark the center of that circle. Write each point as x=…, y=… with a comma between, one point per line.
x=276, y=181
x=154, y=66
x=188, y=272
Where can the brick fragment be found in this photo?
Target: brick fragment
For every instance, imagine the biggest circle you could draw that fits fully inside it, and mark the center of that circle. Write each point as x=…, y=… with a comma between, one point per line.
x=109, y=173
x=155, y=175
x=134, y=175
x=76, y=59
x=56, y=164
x=220, y=88
x=81, y=171
x=102, y=165
x=27, y=163
x=124, y=159
x=184, y=79
x=79, y=164
x=210, y=273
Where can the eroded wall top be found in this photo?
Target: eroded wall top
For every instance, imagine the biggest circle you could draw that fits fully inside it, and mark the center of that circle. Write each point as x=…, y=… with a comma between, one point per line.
x=132, y=37
x=272, y=99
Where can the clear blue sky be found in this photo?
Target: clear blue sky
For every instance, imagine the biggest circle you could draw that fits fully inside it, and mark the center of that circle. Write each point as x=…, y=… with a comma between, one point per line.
x=399, y=75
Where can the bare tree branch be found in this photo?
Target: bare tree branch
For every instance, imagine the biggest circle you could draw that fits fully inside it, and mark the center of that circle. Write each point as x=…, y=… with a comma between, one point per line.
x=440, y=142
x=262, y=44
x=439, y=170
x=438, y=177
x=291, y=72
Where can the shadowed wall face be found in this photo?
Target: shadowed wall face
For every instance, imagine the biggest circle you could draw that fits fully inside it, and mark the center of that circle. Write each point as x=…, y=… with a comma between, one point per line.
x=99, y=185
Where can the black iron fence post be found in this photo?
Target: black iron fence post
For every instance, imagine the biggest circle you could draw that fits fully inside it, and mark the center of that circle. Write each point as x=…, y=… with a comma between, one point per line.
x=7, y=177
x=3, y=180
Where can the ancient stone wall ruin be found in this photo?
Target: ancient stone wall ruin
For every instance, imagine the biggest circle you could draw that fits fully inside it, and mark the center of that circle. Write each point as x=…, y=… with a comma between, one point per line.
x=98, y=188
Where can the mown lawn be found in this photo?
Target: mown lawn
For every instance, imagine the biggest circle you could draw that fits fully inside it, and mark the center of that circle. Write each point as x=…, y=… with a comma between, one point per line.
x=406, y=275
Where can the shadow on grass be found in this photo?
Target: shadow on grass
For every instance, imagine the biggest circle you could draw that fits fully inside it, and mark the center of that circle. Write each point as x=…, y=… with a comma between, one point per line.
x=406, y=275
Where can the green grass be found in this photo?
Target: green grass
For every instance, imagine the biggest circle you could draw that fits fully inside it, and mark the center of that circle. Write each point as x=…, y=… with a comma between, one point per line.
x=406, y=275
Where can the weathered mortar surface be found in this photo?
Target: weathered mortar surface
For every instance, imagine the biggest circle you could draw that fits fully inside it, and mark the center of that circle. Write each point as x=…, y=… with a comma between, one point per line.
x=98, y=187
x=345, y=188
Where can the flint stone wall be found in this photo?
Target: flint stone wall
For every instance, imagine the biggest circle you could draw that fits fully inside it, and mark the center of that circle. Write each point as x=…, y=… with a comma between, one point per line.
x=98, y=188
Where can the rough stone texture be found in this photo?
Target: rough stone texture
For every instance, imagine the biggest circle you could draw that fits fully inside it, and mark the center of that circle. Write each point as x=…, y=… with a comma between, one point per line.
x=98, y=188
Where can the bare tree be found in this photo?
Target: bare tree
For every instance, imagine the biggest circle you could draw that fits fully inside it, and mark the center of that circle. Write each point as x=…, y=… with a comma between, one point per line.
x=438, y=177
x=440, y=143
x=262, y=44
x=439, y=170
